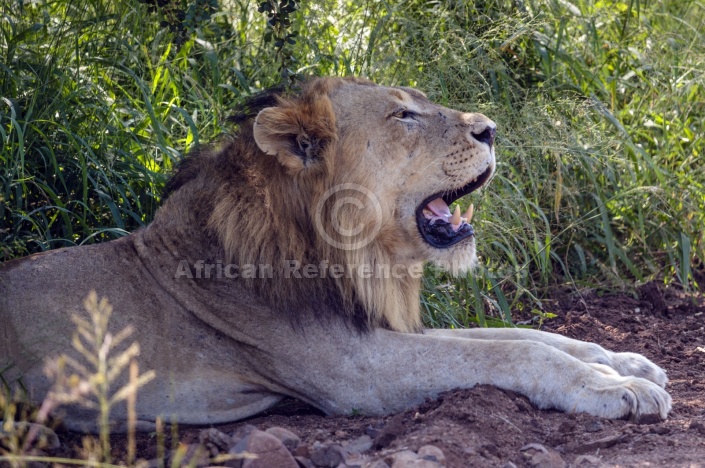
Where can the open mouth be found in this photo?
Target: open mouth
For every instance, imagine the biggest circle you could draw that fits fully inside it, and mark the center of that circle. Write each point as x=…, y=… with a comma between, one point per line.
x=438, y=226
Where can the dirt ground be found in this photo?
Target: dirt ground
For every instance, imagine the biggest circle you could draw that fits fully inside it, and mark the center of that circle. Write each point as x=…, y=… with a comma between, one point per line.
x=486, y=426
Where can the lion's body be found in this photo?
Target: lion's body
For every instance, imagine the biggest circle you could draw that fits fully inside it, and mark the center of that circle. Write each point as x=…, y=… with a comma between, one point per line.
x=225, y=348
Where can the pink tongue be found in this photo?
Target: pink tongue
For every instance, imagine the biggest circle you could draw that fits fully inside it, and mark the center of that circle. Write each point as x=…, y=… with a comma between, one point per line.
x=439, y=208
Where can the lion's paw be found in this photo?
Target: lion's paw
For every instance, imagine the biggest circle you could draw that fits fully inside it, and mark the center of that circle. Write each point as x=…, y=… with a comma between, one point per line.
x=625, y=398
x=636, y=365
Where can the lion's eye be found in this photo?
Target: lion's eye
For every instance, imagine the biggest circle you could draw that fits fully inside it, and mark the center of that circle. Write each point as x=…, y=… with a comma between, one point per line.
x=404, y=114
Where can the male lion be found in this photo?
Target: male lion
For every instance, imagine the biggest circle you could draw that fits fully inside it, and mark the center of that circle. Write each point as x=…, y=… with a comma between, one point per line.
x=285, y=263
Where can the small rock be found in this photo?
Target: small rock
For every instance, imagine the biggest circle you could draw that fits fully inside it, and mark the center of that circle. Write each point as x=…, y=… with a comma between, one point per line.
x=269, y=451
x=540, y=457
x=552, y=459
x=328, y=456
x=341, y=434
x=359, y=445
x=290, y=440
x=417, y=463
x=593, y=426
x=409, y=459
x=509, y=465
x=215, y=441
x=587, y=460
x=402, y=455
x=353, y=460
x=433, y=453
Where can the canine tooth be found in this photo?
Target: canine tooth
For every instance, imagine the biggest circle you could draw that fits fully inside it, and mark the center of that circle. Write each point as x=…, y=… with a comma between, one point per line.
x=470, y=212
x=455, y=220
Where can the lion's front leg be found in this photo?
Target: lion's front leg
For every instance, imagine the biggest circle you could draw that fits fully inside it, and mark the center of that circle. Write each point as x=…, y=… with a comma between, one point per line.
x=626, y=364
x=385, y=372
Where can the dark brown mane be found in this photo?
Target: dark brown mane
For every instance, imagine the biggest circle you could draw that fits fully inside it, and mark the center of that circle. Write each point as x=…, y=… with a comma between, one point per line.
x=187, y=169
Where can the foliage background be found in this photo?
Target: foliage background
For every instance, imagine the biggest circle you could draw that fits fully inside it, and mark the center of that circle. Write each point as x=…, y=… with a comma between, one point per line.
x=600, y=107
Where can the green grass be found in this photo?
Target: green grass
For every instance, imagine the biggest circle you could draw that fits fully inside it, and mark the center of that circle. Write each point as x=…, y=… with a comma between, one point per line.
x=600, y=107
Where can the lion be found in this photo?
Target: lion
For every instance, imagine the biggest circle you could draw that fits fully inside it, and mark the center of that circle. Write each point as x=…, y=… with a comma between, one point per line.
x=286, y=260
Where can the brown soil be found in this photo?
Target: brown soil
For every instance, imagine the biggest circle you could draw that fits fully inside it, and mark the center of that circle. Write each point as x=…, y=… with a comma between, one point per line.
x=490, y=427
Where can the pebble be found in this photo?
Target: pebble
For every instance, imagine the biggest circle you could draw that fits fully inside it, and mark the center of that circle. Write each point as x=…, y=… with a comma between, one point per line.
x=540, y=457
x=417, y=463
x=215, y=441
x=290, y=440
x=403, y=459
x=551, y=459
x=269, y=450
x=433, y=453
x=409, y=459
x=328, y=456
x=359, y=445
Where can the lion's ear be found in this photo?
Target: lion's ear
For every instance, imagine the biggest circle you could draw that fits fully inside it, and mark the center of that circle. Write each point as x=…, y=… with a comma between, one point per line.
x=296, y=133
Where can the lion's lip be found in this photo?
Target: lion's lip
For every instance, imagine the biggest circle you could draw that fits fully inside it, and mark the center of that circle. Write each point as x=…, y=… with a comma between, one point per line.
x=433, y=218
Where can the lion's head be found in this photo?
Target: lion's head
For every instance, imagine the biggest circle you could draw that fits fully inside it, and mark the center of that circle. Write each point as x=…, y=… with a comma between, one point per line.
x=348, y=173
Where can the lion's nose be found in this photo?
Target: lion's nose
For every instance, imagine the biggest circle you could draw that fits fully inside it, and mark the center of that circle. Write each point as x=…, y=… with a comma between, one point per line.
x=485, y=135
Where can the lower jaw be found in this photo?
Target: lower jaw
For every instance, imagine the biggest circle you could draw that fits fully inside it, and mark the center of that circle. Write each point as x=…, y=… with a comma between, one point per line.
x=456, y=261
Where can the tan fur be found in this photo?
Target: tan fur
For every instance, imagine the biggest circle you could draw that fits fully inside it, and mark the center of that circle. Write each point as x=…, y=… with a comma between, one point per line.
x=330, y=175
